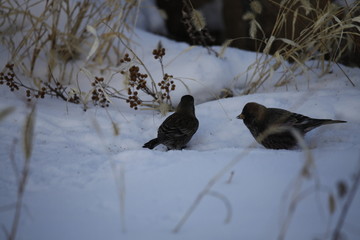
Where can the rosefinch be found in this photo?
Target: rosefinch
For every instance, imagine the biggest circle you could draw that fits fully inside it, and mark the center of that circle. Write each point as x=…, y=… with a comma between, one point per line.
x=177, y=130
x=273, y=127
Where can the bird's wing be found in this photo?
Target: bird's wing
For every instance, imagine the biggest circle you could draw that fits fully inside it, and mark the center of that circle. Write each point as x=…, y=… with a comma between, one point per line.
x=178, y=125
x=286, y=118
x=277, y=116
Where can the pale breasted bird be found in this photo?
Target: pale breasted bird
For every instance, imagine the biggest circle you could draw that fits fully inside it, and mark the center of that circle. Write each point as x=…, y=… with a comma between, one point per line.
x=273, y=127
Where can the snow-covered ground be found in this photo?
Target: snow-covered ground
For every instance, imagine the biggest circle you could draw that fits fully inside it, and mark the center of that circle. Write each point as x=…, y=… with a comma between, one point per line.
x=88, y=183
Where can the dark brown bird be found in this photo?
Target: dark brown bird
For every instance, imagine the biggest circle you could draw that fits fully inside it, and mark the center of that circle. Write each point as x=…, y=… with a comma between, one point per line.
x=177, y=130
x=273, y=127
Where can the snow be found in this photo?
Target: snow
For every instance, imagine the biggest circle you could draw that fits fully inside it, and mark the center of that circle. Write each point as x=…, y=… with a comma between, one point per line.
x=88, y=183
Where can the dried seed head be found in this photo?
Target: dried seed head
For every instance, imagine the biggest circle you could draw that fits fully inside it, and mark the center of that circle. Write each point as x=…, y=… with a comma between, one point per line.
x=198, y=20
x=248, y=16
x=256, y=7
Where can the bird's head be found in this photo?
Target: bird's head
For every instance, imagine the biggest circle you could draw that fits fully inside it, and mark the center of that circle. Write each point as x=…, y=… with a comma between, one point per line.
x=186, y=104
x=252, y=112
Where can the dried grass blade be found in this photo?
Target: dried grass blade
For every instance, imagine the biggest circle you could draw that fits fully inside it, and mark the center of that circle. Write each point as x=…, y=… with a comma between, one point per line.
x=268, y=44
x=289, y=42
x=96, y=43
x=356, y=19
x=6, y=112
x=225, y=45
x=28, y=134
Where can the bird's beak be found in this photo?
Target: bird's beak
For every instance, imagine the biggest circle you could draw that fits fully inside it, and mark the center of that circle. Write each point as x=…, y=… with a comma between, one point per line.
x=241, y=116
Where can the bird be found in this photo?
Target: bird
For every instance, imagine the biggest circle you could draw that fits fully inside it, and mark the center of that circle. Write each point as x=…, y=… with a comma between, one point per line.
x=177, y=129
x=274, y=127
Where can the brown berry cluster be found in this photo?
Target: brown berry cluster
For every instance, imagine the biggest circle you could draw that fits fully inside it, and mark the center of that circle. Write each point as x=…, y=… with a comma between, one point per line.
x=126, y=58
x=166, y=85
x=98, y=95
x=37, y=94
x=8, y=77
x=58, y=90
x=133, y=99
x=74, y=98
x=137, y=81
x=47, y=88
x=159, y=52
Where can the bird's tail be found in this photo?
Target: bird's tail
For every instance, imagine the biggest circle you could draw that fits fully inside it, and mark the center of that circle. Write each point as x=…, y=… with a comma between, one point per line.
x=319, y=122
x=152, y=143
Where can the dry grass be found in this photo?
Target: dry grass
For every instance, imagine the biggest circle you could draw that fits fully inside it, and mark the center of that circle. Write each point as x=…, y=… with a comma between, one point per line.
x=57, y=32
x=22, y=176
x=52, y=42
x=332, y=33
x=44, y=36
